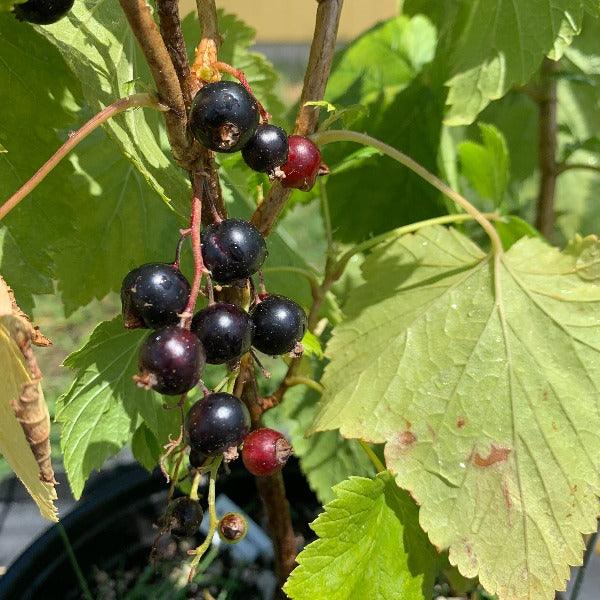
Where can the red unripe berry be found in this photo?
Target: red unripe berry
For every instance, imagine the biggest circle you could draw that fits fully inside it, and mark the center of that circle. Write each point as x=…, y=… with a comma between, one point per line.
x=303, y=163
x=265, y=451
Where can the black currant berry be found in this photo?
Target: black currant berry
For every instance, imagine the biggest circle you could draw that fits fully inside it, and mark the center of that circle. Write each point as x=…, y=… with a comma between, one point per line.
x=183, y=517
x=267, y=149
x=225, y=332
x=43, y=12
x=154, y=295
x=303, y=164
x=224, y=116
x=171, y=360
x=216, y=423
x=233, y=528
x=233, y=249
x=279, y=324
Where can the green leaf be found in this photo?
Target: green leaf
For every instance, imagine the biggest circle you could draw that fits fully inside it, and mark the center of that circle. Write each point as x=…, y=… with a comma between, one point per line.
x=383, y=60
x=368, y=197
x=370, y=546
x=488, y=403
x=512, y=228
x=99, y=46
x=312, y=345
x=322, y=104
x=325, y=457
x=145, y=447
x=8, y=5
x=32, y=74
x=103, y=407
x=486, y=165
x=95, y=214
x=492, y=54
x=120, y=224
x=348, y=115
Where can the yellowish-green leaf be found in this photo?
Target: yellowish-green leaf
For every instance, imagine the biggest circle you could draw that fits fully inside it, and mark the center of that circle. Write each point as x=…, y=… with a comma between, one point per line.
x=370, y=546
x=483, y=380
x=14, y=376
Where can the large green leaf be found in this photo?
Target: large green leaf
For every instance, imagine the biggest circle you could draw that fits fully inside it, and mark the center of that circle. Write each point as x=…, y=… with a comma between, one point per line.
x=97, y=43
x=32, y=76
x=370, y=546
x=94, y=217
x=120, y=223
x=484, y=384
x=489, y=47
x=384, y=59
x=371, y=196
x=103, y=407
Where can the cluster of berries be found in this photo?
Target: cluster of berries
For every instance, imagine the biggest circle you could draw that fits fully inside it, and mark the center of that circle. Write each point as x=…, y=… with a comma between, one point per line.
x=225, y=117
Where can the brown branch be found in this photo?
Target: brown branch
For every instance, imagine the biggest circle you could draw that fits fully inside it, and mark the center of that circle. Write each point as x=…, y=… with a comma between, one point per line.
x=170, y=29
x=187, y=154
x=207, y=15
x=544, y=220
x=272, y=493
x=134, y=101
x=315, y=80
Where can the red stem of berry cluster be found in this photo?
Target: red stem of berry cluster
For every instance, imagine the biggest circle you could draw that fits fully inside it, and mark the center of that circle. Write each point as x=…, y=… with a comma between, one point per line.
x=199, y=268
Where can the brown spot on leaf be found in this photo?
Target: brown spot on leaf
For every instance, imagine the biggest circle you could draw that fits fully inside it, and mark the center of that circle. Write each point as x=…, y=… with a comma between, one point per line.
x=554, y=426
x=432, y=432
x=545, y=395
x=471, y=555
x=497, y=454
x=461, y=422
x=405, y=439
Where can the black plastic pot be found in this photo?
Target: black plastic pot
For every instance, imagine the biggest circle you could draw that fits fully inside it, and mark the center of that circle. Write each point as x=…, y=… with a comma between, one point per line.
x=112, y=528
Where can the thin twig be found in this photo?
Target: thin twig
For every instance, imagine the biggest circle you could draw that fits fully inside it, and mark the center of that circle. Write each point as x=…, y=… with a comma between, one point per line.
x=134, y=101
x=547, y=143
x=315, y=80
x=187, y=154
x=337, y=135
x=170, y=29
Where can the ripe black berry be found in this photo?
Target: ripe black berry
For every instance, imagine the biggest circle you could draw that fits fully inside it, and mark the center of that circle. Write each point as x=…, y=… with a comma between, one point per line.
x=279, y=324
x=225, y=332
x=265, y=451
x=216, y=423
x=43, y=12
x=232, y=528
x=224, y=116
x=303, y=163
x=233, y=249
x=154, y=295
x=183, y=517
x=171, y=360
x=267, y=149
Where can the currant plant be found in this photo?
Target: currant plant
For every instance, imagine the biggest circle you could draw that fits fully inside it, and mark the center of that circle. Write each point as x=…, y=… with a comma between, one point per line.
x=389, y=243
